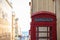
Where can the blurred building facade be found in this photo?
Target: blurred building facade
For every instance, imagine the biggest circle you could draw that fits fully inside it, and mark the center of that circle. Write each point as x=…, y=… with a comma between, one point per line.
x=42, y=5
x=58, y=18
x=5, y=20
x=47, y=5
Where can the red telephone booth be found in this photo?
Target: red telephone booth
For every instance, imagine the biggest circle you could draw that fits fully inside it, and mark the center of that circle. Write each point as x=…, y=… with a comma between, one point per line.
x=43, y=26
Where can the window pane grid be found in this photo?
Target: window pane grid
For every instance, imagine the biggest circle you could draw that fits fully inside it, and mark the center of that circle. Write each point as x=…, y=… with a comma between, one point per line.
x=43, y=33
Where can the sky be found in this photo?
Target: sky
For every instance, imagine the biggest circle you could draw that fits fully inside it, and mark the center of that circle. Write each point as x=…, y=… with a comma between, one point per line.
x=22, y=11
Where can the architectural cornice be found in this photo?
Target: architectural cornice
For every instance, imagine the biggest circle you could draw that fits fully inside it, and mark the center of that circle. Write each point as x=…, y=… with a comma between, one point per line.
x=9, y=3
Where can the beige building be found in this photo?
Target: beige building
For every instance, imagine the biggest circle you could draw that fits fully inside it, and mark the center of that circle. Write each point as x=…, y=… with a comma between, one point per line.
x=4, y=29
x=5, y=20
x=58, y=18
x=43, y=5
x=48, y=5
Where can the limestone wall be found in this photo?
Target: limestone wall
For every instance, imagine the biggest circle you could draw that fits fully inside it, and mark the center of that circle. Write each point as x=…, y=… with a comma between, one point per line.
x=43, y=5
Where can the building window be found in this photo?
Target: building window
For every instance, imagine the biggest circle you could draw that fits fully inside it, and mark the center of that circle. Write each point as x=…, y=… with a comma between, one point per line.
x=43, y=33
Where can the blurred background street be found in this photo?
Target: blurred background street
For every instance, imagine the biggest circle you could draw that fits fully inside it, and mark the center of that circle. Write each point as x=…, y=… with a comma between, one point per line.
x=13, y=23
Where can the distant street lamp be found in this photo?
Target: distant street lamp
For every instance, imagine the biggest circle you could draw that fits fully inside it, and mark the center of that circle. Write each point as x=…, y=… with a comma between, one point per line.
x=16, y=19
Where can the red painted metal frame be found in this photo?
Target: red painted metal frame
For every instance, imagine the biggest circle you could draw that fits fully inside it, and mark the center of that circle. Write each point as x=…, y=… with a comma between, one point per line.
x=35, y=24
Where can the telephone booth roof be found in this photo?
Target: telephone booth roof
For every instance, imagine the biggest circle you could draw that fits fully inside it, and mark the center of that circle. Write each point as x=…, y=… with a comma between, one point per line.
x=43, y=12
